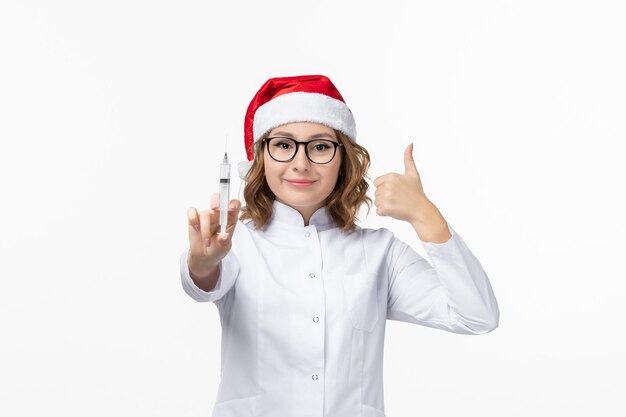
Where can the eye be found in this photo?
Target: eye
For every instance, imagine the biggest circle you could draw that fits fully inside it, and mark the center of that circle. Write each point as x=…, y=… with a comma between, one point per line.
x=282, y=144
x=320, y=147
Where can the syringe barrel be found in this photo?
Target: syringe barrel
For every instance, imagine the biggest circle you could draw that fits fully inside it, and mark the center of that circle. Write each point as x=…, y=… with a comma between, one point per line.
x=224, y=185
x=224, y=195
x=224, y=172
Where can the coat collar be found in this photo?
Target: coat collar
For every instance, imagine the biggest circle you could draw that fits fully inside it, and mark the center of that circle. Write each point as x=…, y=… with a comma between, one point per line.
x=288, y=216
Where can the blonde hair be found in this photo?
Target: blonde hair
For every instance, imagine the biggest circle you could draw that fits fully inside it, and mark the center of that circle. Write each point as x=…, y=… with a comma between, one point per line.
x=343, y=203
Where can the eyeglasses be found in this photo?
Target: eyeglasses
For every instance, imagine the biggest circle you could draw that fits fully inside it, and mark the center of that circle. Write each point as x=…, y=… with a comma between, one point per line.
x=284, y=149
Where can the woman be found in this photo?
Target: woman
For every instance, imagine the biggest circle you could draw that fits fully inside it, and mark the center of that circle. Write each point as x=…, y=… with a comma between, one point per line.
x=302, y=292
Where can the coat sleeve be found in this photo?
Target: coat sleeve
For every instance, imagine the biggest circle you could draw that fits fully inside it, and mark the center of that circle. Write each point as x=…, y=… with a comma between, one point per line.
x=454, y=294
x=229, y=270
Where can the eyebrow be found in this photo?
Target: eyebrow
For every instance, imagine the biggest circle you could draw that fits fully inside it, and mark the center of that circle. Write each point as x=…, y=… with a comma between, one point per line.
x=316, y=136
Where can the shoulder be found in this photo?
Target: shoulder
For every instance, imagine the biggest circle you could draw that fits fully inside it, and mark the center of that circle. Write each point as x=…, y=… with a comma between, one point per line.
x=245, y=226
x=243, y=231
x=374, y=239
x=377, y=234
x=249, y=224
x=376, y=247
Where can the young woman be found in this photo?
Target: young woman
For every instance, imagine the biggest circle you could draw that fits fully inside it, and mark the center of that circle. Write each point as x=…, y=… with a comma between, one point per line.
x=302, y=292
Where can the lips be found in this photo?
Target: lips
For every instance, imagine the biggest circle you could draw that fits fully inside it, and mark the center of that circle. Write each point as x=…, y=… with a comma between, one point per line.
x=300, y=183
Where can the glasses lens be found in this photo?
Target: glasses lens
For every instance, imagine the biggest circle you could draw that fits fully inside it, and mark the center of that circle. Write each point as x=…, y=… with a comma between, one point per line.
x=281, y=149
x=321, y=151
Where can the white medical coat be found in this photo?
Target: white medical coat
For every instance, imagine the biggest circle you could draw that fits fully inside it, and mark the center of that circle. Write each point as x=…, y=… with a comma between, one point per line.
x=303, y=311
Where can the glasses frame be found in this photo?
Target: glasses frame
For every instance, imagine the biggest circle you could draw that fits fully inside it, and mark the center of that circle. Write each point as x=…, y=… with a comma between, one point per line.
x=266, y=141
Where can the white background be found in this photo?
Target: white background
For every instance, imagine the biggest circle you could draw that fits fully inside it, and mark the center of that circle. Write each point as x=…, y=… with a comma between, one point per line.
x=112, y=123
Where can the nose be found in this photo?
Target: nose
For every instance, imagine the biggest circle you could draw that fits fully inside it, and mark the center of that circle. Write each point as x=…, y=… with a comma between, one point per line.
x=300, y=162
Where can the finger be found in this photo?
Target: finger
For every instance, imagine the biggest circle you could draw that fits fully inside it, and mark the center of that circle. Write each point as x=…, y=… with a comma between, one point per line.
x=192, y=219
x=233, y=216
x=409, y=163
x=378, y=181
x=233, y=212
x=214, y=214
x=215, y=201
x=215, y=211
x=205, y=227
x=195, y=237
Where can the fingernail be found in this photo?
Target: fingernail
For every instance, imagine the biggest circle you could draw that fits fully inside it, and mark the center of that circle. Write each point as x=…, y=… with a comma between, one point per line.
x=195, y=226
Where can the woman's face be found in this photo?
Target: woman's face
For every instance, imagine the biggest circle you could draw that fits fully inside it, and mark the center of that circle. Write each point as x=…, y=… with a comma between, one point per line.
x=300, y=183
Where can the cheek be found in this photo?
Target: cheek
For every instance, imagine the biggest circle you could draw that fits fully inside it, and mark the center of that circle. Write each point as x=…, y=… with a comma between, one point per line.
x=272, y=175
x=334, y=173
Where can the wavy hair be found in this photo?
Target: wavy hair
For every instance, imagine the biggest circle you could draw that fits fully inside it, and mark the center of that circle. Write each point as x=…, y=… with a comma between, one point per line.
x=343, y=203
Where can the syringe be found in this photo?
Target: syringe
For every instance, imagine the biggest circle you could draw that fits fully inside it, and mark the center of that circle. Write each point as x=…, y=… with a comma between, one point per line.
x=224, y=192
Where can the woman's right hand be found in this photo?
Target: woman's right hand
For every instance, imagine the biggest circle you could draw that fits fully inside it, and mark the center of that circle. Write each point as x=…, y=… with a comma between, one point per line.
x=207, y=246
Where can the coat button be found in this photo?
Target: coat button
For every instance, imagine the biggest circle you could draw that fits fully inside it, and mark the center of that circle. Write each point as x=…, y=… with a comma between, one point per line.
x=307, y=234
x=314, y=376
x=311, y=275
x=316, y=319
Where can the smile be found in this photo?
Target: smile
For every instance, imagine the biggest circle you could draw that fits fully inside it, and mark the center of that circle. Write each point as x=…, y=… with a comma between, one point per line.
x=301, y=183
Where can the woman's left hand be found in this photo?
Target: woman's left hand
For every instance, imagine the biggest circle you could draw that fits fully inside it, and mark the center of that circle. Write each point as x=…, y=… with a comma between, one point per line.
x=402, y=196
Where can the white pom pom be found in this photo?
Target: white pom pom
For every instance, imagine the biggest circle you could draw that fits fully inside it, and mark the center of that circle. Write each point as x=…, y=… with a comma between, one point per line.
x=244, y=167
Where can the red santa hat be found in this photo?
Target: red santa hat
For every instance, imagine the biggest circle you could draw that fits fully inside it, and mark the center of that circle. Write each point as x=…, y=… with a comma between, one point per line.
x=302, y=98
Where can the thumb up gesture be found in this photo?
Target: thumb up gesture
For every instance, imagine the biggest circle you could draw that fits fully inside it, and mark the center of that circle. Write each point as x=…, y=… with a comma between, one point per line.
x=401, y=196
